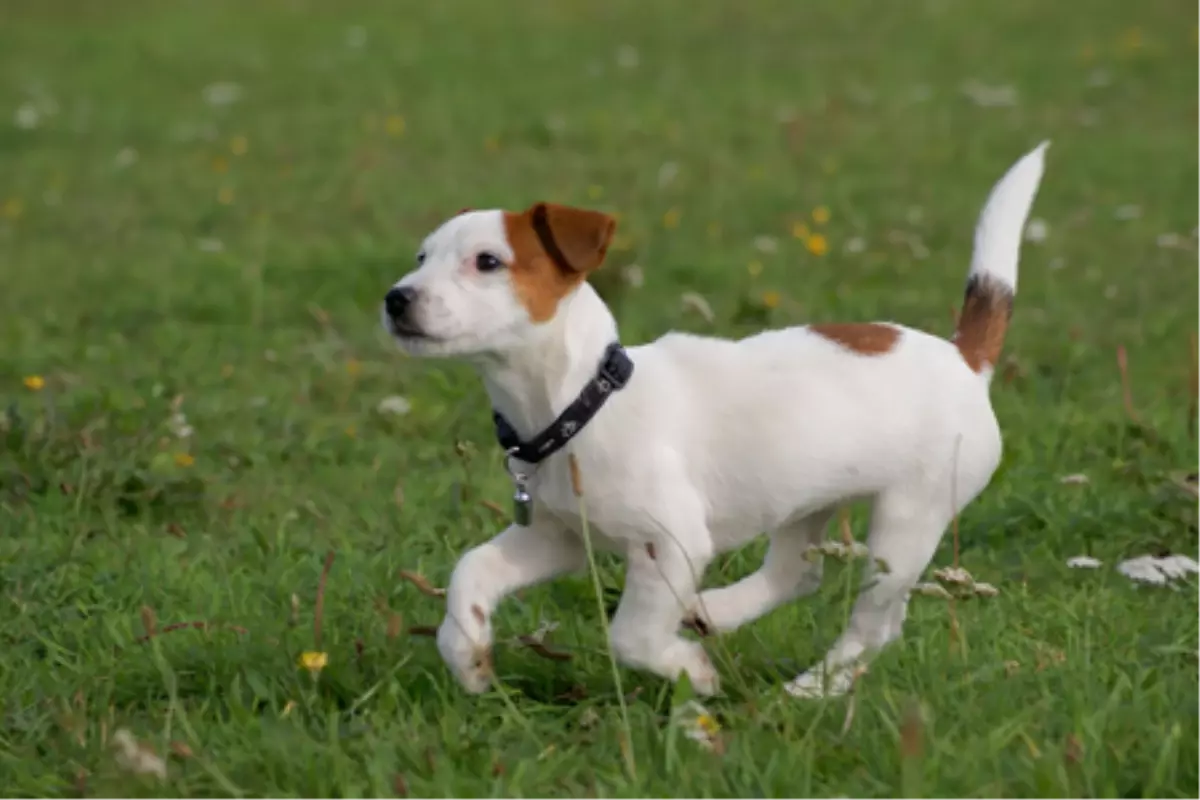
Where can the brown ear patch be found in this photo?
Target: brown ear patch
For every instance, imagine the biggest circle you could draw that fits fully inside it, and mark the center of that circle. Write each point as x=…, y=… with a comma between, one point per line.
x=864, y=338
x=983, y=322
x=554, y=248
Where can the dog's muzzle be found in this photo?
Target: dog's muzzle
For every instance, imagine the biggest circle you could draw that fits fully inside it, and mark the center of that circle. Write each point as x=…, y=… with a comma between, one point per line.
x=398, y=305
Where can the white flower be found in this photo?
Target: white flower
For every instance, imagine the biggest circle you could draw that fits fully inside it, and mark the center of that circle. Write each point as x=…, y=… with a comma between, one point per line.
x=627, y=57
x=1158, y=571
x=987, y=96
x=766, y=244
x=1128, y=212
x=27, y=117
x=855, y=245
x=210, y=245
x=1037, y=230
x=356, y=37
x=395, y=404
x=1075, y=479
x=633, y=276
x=222, y=93
x=126, y=158
x=136, y=757
x=667, y=174
x=1083, y=562
x=697, y=724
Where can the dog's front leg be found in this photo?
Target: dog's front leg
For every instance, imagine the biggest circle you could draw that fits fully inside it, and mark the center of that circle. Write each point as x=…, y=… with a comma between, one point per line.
x=485, y=575
x=660, y=585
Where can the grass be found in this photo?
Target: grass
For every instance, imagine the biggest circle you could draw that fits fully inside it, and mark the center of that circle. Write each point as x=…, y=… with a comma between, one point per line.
x=160, y=254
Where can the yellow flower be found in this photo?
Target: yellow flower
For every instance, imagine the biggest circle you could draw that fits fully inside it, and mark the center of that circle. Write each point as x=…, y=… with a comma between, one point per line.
x=754, y=268
x=595, y=192
x=708, y=723
x=314, y=662
x=771, y=299
x=353, y=367
x=1131, y=41
x=351, y=431
x=671, y=218
x=220, y=165
x=238, y=145
x=35, y=383
x=394, y=125
x=820, y=215
x=225, y=196
x=800, y=230
x=184, y=459
x=817, y=244
x=12, y=208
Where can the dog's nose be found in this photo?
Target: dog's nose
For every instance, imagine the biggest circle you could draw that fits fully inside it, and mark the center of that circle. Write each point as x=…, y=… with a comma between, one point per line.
x=397, y=301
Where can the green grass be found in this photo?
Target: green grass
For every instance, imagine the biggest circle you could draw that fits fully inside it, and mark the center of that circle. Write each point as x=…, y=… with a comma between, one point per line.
x=243, y=288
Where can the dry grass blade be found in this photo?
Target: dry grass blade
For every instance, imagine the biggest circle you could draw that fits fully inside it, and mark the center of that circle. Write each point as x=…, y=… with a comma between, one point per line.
x=197, y=625
x=494, y=508
x=598, y=589
x=319, y=608
x=422, y=583
x=538, y=646
x=1193, y=385
x=1126, y=387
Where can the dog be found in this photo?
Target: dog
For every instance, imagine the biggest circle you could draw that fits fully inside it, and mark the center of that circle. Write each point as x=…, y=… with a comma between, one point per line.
x=692, y=446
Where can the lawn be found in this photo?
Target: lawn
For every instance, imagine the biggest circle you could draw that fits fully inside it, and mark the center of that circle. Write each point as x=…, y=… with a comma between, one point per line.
x=202, y=204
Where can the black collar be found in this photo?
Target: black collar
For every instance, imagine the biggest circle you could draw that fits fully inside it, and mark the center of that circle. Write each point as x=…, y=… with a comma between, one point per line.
x=613, y=373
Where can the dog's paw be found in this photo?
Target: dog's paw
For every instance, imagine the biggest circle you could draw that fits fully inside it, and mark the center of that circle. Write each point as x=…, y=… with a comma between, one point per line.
x=469, y=659
x=691, y=657
x=819, y=684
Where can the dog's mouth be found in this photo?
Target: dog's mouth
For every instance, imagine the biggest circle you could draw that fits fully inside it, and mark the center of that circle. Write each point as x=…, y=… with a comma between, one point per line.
x=407, y=331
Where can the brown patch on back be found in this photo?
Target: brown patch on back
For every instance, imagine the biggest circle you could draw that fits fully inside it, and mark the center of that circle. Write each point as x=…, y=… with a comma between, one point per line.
x=987, y=308
x=555, y=247
x=864, y=338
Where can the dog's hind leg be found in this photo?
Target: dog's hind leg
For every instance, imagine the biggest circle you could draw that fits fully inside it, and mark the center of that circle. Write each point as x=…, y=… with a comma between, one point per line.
x=785, y=575
x=906, y=527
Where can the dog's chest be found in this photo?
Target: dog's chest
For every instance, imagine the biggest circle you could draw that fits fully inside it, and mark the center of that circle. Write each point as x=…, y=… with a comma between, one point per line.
x=555, y=494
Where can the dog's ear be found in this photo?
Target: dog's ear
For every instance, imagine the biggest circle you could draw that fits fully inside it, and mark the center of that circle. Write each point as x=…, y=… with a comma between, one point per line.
x=576, y=239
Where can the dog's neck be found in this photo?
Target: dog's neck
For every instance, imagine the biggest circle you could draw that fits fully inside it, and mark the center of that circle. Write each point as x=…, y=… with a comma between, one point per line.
x=531, y=385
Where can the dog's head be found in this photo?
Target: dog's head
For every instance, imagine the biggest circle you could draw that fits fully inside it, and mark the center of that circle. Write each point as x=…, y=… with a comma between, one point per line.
x=485, y=280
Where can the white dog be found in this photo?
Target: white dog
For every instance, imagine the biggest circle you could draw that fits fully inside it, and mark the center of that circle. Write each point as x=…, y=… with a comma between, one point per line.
x=711, y=442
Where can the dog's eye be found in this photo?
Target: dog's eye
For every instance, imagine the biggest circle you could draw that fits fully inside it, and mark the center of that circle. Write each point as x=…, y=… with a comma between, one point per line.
x=487, y=262
x=420, y=258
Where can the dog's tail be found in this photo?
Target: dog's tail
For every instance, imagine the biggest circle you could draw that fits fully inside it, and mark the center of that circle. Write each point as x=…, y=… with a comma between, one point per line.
x=992, y=282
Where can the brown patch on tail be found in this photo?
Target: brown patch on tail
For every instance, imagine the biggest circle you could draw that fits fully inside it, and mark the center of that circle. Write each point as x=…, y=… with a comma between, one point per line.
x=864, y=338
x=986, y=310
x=555, y=248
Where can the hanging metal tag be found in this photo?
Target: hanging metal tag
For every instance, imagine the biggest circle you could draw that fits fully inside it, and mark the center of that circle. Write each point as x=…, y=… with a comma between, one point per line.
x=522, y=501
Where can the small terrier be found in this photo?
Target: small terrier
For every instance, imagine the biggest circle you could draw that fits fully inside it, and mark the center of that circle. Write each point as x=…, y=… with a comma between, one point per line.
x=691, y=446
